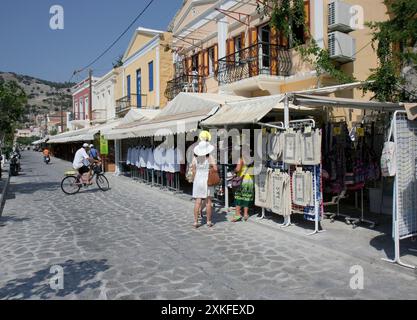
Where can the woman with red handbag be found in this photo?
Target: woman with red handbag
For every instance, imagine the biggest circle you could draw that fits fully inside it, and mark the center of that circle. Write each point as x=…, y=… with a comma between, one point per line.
x=205, y=174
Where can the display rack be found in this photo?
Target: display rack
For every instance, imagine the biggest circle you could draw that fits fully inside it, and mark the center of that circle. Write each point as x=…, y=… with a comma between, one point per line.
x=404, y=133
x=317, y=208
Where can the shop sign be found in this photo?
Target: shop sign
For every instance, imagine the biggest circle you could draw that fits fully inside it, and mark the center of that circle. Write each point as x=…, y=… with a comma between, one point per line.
x=104, y=146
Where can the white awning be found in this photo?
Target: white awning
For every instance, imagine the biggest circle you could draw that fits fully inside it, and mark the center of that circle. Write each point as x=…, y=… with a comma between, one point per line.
x=333, y=89
x=82, y=135
x=181, y=115
x=137, y=114
x=72, y=136
x=319, y=101
x=37, y=142
x=248, y=111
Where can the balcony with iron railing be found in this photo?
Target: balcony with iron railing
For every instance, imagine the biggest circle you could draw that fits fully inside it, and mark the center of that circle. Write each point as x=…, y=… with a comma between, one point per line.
x=185, y=83
x=128, y=102
x=259, y=59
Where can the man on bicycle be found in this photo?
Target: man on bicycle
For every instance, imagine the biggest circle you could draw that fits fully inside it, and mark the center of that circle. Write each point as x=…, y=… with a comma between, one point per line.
x=82, y=162
x=94, y=153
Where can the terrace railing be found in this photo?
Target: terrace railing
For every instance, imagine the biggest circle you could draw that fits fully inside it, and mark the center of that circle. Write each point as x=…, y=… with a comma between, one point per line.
x=260, y=58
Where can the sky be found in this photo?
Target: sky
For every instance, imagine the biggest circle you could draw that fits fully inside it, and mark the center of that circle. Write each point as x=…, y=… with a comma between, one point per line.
x=29, y=46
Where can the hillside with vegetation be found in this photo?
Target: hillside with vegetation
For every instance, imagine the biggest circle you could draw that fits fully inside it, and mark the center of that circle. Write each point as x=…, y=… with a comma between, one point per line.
x=43, y=96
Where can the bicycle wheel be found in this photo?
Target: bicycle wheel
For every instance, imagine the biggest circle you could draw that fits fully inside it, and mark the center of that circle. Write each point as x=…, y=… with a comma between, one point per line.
x=102, y=182
x=70, y=185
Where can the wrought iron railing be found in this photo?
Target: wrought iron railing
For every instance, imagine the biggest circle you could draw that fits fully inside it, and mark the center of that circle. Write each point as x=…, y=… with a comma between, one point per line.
x=185, y=83
x=128, y=102
x=260, y=58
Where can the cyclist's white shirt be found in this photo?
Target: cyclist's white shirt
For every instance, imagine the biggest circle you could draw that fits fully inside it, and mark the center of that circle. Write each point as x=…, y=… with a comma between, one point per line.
x=80, y=155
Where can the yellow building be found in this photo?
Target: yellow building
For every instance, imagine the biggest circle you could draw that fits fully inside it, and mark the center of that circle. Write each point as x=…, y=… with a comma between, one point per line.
x=147, y=66
x=228, y=47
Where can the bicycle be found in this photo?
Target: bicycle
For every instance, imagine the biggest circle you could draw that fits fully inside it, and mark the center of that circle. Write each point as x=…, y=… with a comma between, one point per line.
x=73, y=182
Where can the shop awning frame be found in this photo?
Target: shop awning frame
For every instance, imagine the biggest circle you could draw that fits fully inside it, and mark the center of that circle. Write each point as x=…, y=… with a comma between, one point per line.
x=321, y=101
x=181, y=115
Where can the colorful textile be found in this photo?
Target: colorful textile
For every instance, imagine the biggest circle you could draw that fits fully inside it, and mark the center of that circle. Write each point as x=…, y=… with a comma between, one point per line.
x=245, y=194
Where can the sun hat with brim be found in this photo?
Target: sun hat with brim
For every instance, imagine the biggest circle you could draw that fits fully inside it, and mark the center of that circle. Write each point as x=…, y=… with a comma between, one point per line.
x=203, y=149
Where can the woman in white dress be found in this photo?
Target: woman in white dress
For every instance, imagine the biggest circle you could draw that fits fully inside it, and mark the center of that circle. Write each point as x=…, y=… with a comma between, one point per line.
x=202, y=161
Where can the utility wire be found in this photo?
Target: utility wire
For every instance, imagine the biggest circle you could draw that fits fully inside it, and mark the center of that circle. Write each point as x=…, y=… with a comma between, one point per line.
x=114, y=42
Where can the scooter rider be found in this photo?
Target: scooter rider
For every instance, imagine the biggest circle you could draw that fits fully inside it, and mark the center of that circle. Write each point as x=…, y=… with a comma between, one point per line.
x=46, y=155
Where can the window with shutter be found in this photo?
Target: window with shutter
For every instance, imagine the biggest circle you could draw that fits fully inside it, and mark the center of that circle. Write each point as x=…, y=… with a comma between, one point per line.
x=150, y=70
x=216, y=58
x=211, y=59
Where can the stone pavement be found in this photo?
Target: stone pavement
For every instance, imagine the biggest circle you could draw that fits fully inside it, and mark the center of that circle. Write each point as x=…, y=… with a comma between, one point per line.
x=135, y=242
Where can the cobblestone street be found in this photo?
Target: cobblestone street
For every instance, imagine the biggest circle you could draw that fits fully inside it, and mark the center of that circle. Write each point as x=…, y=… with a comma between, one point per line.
x=136, y=242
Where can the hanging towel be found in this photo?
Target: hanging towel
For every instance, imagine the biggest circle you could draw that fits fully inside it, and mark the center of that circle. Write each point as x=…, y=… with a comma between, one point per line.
x=275, y=146
x=262, y=191
x=292, y=152
x=311, y=148
x=281, y=196
x=302, y=188
x=128, y=156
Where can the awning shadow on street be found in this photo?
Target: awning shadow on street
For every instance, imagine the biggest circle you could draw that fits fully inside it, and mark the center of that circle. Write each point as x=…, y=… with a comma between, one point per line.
x=78, y=277
x=11, y=219
x=30, y=188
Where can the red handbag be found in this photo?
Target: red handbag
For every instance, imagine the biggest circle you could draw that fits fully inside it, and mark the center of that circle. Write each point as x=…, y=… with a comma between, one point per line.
x=213, y=177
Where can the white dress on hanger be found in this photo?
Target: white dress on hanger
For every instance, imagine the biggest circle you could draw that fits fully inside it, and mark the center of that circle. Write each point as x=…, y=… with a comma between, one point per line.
x=178, y=159
x=170, y=160
x=150, y=162
x=129, y=151
x=143, y=157
x=137, y=156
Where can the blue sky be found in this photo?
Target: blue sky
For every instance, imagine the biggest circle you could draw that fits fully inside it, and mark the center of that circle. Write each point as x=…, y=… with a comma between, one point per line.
x=28, y=45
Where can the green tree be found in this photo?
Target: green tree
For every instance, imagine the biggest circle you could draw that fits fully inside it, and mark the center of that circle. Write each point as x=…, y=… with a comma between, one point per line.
x=118, y=62
x=394, y=41
x=12, y=102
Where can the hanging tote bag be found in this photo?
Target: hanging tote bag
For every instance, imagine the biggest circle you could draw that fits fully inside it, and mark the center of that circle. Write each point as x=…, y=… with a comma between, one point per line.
x=213, y=177
x=189, y=176
x=237, y=180
x=388, y=158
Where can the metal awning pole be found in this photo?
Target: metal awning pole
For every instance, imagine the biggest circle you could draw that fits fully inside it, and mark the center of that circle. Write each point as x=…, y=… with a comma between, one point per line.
x=226, y=189
x=286, y=112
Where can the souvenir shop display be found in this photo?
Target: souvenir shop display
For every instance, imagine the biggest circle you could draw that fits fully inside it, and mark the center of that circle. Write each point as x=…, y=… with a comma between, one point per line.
x=351, y=162
x=290, y=182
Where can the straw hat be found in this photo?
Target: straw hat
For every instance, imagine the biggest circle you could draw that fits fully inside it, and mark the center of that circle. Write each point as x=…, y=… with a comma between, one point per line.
x=203, y=148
